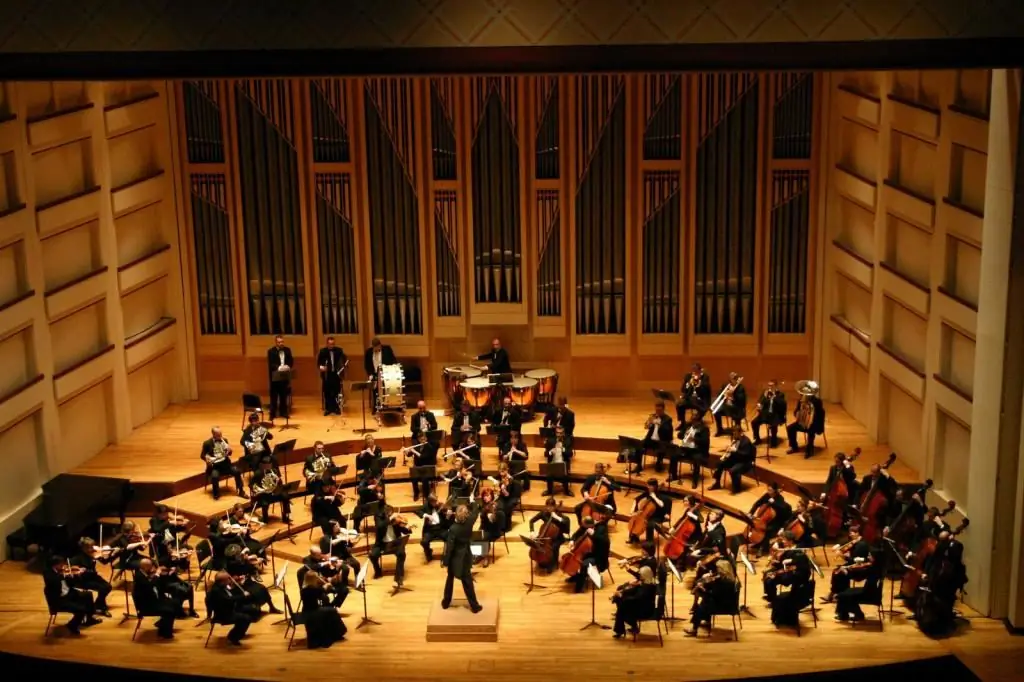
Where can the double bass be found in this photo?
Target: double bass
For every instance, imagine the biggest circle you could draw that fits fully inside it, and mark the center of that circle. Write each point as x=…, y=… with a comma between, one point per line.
x=543, y=553
x=873, y=505
x=572, y=561
x=836, y=498
x=680, y=535
x=912, y=579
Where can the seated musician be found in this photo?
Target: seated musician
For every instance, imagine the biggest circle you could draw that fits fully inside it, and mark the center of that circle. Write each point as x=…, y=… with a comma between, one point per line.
x=492, y=517
x=88, y=578
x=471, y=448
x=880, y=482
x=369, y=491
x=337, y=543
x=634, y=601
x=738, y=460
x=854, y=553
x=390, y=528
x=848, y=600
x=267, y=489
x=510, y=417
x=331, y=569
x=461, y=482
x=789, y=566
x=606, y=504
x=598, y=555
x=129, y=545
x=735, y=405
x=558, y=450
x=771, y=412
x=945, y=575
x=712, y=543
x=515, y=454
x=368, y=460
x=323, y=623
x=717, y=591
x=561, y=416
x=61, y=595
x=659, y=434
x=696, y=394
x=809, y=420
x=216, y=452
x=559, y=521
x=841, y=468
x=240, y=528
x=229, y=604
x=245, y=569
x=325, y=506
x=808, y=515
x=168, y=545
x=648, y=557
x=774, y=500
x=465, y=422
x=422, y=422
x=256, y=442
x=436, y=521
x=662, y=511
x=318, y=468
x=509, y=493
x=180, y=589
x=152, y=600
x=695, y=448
x=424, y=453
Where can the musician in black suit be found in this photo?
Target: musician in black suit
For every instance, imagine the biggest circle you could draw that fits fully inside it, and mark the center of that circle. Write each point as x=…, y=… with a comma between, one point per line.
x=388, y=533
x=375, y=357
x=279, y=359
x=508, y=416
x=466, y=421
x=497, y=359
x=598, y=555
x=771, y=412
x=227, y=603
x=659, y=434
x=424, y=454
x=558, y=450
x=737, y=461
x=61, y=596
x=458, y=557
x=590, y=485
x=695, y=447
x=814, y=429
x=216, y=452
x=662, y=512
x=735, y=405
x=561, y=416
x=781, y=508
x=423, y=421
x=256, y=441
x=151, y=599
x=559, y=521
x=696, y=393
x=332, y=361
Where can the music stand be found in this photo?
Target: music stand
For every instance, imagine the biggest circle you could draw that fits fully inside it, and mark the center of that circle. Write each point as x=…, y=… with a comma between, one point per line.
x=506, y=378
x=361, y=586
x=289, y=490
x=547, y=432
x=663, y=395
x=280, y=455
x=285, y=376
x=595, y=582
x=749, y=570
x=892, y=583
x=278, y=584
x=532, y=543
x=364, y=387
x=678, y=579
x=427, y=473
x=628, y=446
x=555, y=472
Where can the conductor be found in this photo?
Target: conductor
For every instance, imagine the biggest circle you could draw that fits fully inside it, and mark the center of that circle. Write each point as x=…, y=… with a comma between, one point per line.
x=497, y=359
x=458, y=558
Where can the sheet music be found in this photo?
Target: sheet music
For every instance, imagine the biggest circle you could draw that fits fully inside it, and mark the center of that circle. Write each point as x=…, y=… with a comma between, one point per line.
x=361, y=578
x=595, y=576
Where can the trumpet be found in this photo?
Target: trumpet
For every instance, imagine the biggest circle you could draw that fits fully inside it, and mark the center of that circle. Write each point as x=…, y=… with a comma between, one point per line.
x=650, y=420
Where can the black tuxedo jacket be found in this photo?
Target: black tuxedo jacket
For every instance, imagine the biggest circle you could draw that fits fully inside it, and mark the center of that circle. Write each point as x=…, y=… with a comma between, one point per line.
x=414, y=422
x=497, y=361
x=387, y=357
x=274, y=359
x=323, y=358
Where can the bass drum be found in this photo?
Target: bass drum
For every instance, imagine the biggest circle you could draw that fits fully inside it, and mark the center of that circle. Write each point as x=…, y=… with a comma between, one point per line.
x=452, y=377
x=547, y=384
x=523, y=392
x=391, y=388
x=477, y=391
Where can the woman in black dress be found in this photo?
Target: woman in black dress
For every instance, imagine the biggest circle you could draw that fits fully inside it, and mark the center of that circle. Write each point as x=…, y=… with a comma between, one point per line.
x=324, y=626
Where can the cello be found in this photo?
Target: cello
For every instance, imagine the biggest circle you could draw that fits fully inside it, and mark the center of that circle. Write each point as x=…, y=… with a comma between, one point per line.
x=595, y=505
x=836, y=498
x=544, y=552
x=686, y=526
x=572, y=561
x=799, y=526
x=912, y=580
x=758, y=526
x=640, y=518
x=873, y=505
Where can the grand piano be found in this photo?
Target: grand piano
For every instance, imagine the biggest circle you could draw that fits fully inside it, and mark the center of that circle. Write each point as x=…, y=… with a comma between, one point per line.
x=70, y=504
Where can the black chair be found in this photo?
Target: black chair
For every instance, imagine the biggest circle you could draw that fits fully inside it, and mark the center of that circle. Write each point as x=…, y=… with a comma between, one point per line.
x=732, y=609
x=54, y=610
x=656, y=616
x=293, y=619
x=139, y=617
x=214, y=621
x=805, y=600
x=251, y=402
x=204, y=559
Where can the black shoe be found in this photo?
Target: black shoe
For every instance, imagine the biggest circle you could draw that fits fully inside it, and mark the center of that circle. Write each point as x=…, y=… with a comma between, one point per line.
x=105, y=612
x=90, y=621
x=756, y=441
x=618, y=635
x=73, y=629
x=165, y=635
x=234, y=642
x=445, y=604
x=327, y=413
x=273, y=609
x=715, y=486
x=476, y=608
x=570, y=493
x=287, y=520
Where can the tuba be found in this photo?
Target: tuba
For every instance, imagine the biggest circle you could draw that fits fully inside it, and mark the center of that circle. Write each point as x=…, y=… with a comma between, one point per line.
x=805, y=409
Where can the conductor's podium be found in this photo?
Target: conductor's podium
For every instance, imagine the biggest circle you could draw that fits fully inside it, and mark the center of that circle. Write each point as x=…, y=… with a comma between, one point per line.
x=458, y=624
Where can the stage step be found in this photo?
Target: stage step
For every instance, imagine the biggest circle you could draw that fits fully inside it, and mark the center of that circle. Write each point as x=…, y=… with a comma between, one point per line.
x=458, y=624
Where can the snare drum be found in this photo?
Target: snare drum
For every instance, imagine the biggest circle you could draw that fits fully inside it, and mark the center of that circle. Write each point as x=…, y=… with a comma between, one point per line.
x=452, y=377
x=547, y=384
x=477, y=391
x=523, y=392
x=390, y=387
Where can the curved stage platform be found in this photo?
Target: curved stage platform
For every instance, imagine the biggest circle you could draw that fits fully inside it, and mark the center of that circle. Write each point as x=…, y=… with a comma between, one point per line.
x=540, y=632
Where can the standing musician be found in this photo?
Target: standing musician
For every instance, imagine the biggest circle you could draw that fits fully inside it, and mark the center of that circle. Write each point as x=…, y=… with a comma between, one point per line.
x=785, y=567
x=88, y=578
x=325, y=506
x=795, y=571
x=856, y=554
x=318, y=468
x=634, y=601
x=738, y=460
x=62, y=595
x=944, y=575
x=781, y=509
x=509, y=493
x=558, y=450
x=337, y=544
x=279, y=367
x=458, y=558
x=152, y=600
x=324, y=626
x=464, y=423
x=216, y=452
x=332, y=363
x=509, y=416
x=423, y=421
x=244, y=569
x=810, y=418
x=437, y=519
x=561, y=416
x=606, y=504
x=228, y=603
x=375, y=357
x=266, y=490
x=658, y=431
x=716, y=591
x=330, y=569
x=256, y=442
x=598, y=554
x=735, y=403
x=696, y=393
x=368, y=460
x=391, y=527
x=560, y=521
x=695, y=447
x=424, y=453
x=662, y=509
x=497, y=359
x=771, y=412
x=881, y=483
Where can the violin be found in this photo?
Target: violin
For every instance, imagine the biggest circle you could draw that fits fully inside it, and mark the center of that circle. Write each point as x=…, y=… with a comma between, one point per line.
x=873, y=506
x=836, y=499
x=70, y=571
x=685, y=527
x=622, y=589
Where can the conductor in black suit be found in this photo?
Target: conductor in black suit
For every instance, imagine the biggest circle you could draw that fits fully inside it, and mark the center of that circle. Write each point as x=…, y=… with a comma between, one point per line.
x=497, y=359
x=331, y=361
x=375, y=357
x=458, y=558
x=279, y=359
